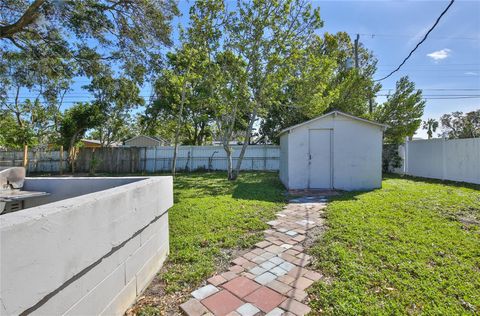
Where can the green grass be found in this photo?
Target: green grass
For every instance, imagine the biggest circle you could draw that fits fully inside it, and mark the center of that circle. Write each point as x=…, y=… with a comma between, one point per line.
x=412, y=247
x=211, y=217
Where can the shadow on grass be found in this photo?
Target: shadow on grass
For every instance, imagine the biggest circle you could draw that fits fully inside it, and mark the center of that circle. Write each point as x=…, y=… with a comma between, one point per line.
x=457, y=184
x=259, y=186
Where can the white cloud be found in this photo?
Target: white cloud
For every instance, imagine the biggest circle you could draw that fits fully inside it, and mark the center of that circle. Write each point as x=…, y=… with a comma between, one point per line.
x=471, y=73
x=439, y=54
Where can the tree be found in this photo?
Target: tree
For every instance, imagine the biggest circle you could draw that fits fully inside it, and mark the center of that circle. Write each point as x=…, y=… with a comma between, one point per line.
x=353, y=87
x=36, y=116
x=115, y=99
x=44, y=44
x=130, y=33
x=459, y=125
x=75, y=123
x=267, y=35
x=231, y=95
x=322, y=81
x=431, y=126
x=178, y=96
x=402, y=112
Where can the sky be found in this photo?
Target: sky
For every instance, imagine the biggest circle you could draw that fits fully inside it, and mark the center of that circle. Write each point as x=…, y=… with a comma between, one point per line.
x=446, y=66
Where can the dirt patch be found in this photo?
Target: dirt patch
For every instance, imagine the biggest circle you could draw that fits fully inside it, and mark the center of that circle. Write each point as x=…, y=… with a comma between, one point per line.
x=155, y=300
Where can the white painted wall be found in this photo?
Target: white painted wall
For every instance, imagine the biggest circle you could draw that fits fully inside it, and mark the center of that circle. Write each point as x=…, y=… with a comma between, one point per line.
x=283, y=172
x=357, y=153
x=87, y=255
x=446, y=159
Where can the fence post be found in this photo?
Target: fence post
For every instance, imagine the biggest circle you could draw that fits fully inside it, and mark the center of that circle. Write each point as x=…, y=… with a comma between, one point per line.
x=61, y=160
x=154, y=159
x=191, y=157
x=405, y=160
x=145, y=161
x=265, y=157
x=25, y=157
x=444, y=158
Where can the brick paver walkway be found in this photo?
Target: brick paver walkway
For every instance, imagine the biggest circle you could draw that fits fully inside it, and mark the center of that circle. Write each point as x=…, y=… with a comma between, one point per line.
x=272, y=278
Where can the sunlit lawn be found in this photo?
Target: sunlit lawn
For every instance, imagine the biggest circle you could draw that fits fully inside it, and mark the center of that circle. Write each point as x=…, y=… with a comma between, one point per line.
x=412, y=247
x=213, y=216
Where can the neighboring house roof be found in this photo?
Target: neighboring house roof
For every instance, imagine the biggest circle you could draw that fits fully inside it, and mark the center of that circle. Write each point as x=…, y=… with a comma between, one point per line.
x=93, y=141
x=154, y=138
x=328, y=114
x=97, y=142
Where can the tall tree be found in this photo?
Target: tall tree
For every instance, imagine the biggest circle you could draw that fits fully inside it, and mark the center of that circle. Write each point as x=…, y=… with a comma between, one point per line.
x=50, y=42
x=267, y=35
x=459, y=125
x=231, y=102
x=115, y=98
x=322, y=80
x=402, y=111
x=46, y=81
x=89, y=31
x=75, y=122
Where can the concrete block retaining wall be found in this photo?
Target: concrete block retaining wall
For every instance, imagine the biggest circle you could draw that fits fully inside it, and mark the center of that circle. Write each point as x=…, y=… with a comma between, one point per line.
x=86, y=255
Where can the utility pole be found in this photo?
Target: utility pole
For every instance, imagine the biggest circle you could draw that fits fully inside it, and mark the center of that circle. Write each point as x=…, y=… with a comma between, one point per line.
x=357, y=40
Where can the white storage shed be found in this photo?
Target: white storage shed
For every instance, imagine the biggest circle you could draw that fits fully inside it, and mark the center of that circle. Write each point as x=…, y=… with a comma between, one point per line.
x=332, y=151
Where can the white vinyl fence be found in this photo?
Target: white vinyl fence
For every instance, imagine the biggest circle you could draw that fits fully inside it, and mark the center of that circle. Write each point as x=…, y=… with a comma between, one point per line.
x=446, y=159
x=257, y=157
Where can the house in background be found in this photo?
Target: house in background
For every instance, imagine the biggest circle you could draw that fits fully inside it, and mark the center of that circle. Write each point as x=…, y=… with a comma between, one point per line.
x=93, y=143
x=145, y=141
x=332, y=151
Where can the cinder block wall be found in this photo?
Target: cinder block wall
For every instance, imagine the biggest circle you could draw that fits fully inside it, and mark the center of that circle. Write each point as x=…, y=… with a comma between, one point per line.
x=87, y=255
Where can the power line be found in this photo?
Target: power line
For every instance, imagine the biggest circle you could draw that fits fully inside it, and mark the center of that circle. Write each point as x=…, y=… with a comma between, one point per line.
x=434, y=37
x=439, y=89
x=441, y=95
x=419, y=43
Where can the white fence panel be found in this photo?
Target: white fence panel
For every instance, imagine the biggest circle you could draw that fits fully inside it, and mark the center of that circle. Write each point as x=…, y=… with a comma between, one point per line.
x=257, y=157
x=446, y=159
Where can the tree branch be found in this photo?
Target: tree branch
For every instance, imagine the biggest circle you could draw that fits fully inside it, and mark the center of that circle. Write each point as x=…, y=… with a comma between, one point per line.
x=30, y=15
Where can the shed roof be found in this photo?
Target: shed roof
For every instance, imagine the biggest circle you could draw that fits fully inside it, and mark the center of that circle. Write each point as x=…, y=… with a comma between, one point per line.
x=332, y=113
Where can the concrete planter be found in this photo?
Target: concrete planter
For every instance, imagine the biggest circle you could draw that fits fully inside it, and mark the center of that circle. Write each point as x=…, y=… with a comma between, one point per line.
x=89, y=248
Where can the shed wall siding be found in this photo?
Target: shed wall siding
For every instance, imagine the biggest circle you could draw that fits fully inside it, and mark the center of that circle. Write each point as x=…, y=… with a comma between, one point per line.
x=283, y=170
x=298, y=167
x=357, y=153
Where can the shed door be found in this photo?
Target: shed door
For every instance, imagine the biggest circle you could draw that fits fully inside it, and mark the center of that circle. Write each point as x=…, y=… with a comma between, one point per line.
x=320, y=158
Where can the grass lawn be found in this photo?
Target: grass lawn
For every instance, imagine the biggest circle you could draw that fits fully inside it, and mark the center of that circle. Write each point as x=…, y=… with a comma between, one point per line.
x=212, y=217
x=412, y=247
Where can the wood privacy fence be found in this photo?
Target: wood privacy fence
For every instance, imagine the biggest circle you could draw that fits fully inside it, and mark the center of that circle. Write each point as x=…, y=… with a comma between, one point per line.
x=146, y=159
x=445, y=159
x=37, y=160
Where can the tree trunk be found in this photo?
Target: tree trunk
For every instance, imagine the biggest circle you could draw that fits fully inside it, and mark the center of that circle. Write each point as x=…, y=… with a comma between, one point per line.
x=72, y=151
x=248, y=132
x=228, y=150
x=177, y=129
